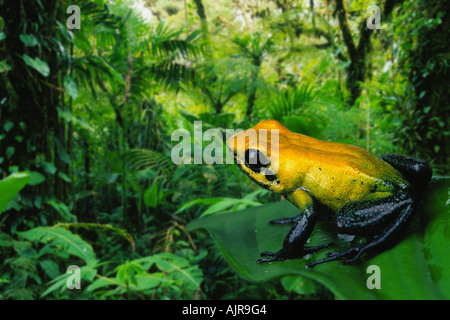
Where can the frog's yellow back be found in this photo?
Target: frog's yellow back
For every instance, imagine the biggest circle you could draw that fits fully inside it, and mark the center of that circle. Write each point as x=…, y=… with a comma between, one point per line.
x=334, y=173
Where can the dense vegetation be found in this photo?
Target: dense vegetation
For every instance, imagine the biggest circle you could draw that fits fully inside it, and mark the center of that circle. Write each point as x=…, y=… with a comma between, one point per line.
x=87, y=116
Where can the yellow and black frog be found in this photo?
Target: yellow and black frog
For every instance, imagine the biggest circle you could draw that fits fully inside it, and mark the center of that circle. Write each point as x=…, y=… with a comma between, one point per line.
x=367, y=196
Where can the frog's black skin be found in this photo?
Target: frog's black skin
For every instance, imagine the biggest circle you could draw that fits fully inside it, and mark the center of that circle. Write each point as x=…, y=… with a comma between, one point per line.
x=380, y=220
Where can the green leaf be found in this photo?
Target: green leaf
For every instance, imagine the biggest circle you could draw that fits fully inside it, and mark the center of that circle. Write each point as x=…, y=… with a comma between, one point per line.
x=36, y=178
x=191, y=203
x=418, y=267
x=28, y=39
x=64, y=176
x=60, y=282
x=50, y=268
x=179, y=269
x=8, y=126
x=228, y=203
x=48, y=167
x=71, y=86
x=37, y=64
x=4, y=66
x=10, y=187
x=62, y=209
x=149, y=280
x=9, y=152
x=63, y=239
x=101, y=283
x=151, y=195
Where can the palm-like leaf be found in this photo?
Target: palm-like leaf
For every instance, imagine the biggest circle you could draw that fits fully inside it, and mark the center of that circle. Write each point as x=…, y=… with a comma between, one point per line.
x=291, y=102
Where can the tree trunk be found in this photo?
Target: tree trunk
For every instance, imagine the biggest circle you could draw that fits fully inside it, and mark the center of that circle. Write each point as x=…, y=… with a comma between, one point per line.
x=202, y=14
x=357, y=69
x=30, y=98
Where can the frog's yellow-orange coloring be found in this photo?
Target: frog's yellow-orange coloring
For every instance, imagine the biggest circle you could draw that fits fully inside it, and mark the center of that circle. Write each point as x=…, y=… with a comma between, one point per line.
x=369, y=196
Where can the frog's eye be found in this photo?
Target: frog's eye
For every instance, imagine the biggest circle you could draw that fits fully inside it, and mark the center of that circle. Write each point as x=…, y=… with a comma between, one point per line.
x=255, y=160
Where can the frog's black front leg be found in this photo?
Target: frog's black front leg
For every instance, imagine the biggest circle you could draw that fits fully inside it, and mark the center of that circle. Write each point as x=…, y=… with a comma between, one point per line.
x=294, y=243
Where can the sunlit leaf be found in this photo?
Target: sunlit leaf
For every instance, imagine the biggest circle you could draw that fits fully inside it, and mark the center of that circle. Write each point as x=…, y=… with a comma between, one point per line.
x=28, y=39
x=37, y=64
x=64, y=239
x=71, y=86
x=10, y=187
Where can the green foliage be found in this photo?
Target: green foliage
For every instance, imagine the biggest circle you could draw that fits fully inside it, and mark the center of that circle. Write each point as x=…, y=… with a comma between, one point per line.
x=62, y=242
x=222, y=204
x=422, y=27
x=10, y=187
x=86, y=117
x=408, y=271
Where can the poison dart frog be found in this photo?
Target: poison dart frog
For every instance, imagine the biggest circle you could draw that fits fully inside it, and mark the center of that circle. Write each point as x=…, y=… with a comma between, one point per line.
x=366, y=196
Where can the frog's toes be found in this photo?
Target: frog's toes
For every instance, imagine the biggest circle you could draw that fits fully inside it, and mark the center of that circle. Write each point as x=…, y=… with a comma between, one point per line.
x=268, y=253
x=262, y=260
x=272, y=257
x=275, y=256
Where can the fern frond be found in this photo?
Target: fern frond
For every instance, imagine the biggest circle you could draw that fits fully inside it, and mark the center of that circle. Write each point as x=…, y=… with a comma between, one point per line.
x=143, y=159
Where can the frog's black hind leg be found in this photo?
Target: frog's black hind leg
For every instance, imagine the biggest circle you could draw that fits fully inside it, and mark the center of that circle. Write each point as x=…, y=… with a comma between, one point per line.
x=383, y=218
x=416, y=171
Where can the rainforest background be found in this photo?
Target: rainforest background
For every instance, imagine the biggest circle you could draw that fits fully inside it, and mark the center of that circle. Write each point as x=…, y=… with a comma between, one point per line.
x=86, y=118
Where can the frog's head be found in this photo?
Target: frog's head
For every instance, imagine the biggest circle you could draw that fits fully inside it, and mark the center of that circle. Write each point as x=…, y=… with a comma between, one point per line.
x=257, y=152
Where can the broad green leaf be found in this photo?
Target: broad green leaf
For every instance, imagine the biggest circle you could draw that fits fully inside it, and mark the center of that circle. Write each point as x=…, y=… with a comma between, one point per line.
x=101, y=283
x=418, y=267
x=149, y=280
x=64, y=239
x=37, y=64
x=10, y=187
x=50, y=268
x=36, y=178
x=71, y=86
x=28, y=39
